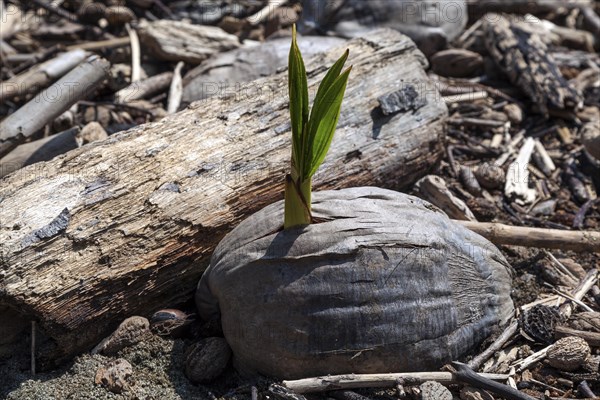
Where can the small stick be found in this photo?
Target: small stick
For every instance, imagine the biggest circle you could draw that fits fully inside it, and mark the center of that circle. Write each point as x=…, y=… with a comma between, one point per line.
x=486, y=123
x=508, y=333
x=353, y=381
x=101, y=44
x=470, y=96
x=176, y=90
x=466, y=375
x=585, y=285
x=263, y=13
x=578, y=302
x=136, y=69
x=532, y=359
x=501, y=234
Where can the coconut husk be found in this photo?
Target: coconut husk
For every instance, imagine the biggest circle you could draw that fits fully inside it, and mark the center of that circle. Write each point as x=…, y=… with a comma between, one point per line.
x=386, y=282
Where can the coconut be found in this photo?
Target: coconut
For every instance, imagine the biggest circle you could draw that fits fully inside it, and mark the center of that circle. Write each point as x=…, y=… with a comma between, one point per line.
x=382, y=282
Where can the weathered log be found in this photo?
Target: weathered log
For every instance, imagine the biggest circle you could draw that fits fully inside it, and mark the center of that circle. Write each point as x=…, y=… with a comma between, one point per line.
x=182, y=41
x=523, y=56
x=50, y=103
x=42, y=75
x=126, y=226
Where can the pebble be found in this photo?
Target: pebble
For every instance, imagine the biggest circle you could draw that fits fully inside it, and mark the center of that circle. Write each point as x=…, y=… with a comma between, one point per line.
x=207, y=359
x=432, y=390
x=131, y=331
x=115, y=376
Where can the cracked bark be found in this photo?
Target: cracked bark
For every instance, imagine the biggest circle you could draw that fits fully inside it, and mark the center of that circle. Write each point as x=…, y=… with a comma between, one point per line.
x=126, y=226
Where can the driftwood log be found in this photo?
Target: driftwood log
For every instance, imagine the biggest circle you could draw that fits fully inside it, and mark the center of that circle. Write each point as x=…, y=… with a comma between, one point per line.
x=522, y=55
x=126, y=226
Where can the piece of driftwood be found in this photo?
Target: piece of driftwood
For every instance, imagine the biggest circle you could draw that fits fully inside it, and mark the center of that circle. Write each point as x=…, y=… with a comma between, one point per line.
x=41, y=76
x=128, y=225
x=501, y=234
x=175, y=89
x=181, y=41
x=433, y=189
x=354, y=381
x=144, y=88
x=50, y=103
x=593, y=338
x=517, y=177
x=524, y=57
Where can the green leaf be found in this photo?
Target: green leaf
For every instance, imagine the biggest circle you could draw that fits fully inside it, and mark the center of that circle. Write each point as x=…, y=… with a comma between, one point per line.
x=323, y=121
x=298, y=90
x=331, y=76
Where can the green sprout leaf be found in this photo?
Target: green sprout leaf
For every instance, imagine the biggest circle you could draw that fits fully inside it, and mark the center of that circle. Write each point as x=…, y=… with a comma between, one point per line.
x=312, y=131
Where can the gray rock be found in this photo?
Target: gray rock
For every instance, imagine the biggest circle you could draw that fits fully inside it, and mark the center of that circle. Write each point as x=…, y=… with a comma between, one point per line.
x=431, y=24
x=224, y=73
x=387, y=283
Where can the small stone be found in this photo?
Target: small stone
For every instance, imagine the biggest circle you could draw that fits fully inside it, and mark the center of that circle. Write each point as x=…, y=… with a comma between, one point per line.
x=90, y=133
x=514, y=113
x=207, y=359
x=131, y=331
x=98, y=113
x=405, y=99
x=115, y=376
x=490, y=176
x=432, y=390
x=457, y=63
x=569, y=353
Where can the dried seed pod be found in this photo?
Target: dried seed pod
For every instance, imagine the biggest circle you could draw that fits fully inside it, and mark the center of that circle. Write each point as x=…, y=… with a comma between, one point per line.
x=91, y=13
x=207, y=359
x=569, y=353
x=490, y=176
x=432, y=390
x=539, y=323
x=119, y=15
x=131, y=331
x=170, y=322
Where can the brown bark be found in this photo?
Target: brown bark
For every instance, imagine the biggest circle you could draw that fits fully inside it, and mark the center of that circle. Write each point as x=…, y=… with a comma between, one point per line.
x=128, y=225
